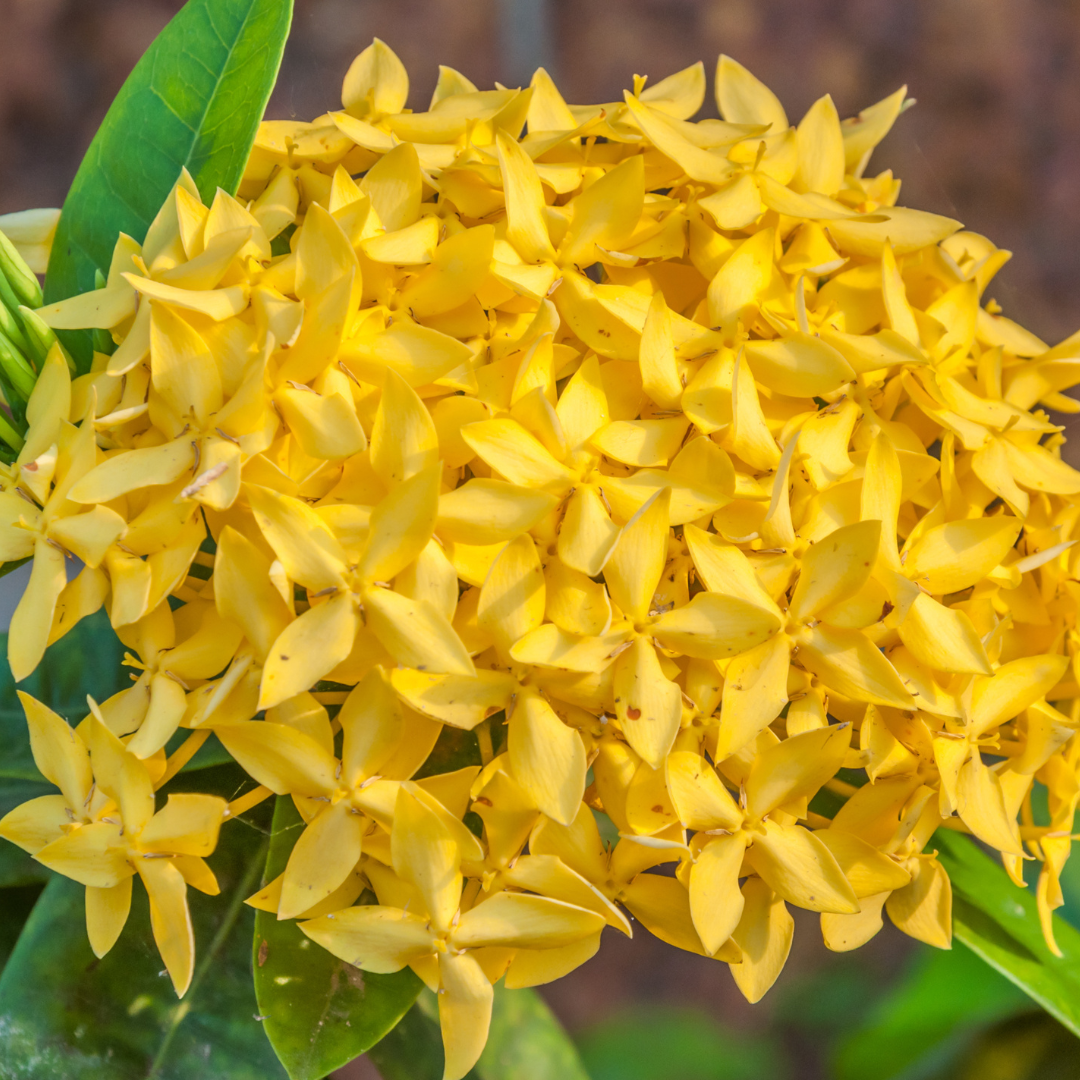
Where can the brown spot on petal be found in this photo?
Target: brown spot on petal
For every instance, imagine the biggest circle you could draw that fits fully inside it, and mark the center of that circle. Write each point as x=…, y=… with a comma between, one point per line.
x=633, y=714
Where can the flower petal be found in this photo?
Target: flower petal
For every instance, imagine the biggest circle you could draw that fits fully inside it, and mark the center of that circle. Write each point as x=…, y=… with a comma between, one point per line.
x=943, y=638
x=547, y=758
x=425, y=854
x=951, y=557
x=372, y=938
x=634, y=569
x=93, y=854
x=308, y=649
x=716, y=904
x=483, y=511
x=106, y=914
x=59, y=753
x=835, y=568
x=415, y=633
x=321, y=860
x=795, y=768
x=648, y=704
x=714, y=627
x=923, y=909
x=280, y=757
x=170, y=920
x=700, y=799
x=513, y=598
x=849, y=663
x=465, y=1005
x=801, y=869
x=187, y=824
x=764, y=937
x=401, y=526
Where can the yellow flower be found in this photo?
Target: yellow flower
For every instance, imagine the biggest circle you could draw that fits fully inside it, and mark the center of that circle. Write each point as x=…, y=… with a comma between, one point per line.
x=109, y=831
x=677, y=446
x=445, y=937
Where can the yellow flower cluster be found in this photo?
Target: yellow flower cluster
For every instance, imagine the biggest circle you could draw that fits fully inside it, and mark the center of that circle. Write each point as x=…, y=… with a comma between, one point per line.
x=672, y=451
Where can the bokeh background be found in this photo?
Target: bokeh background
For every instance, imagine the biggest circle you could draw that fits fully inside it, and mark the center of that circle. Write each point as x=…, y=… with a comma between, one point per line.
x=994, y=141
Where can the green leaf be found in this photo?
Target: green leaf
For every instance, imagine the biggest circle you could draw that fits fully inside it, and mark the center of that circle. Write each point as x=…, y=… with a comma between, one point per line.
x=454, y=749
x=413, y=1049
x=526, y=1042
x=929, y=1017
x=16, y=866
x=87, y=660
x=15, y=907
x=195, y=99
x=999, y=923
x=319, y=1012
x=63, y=1013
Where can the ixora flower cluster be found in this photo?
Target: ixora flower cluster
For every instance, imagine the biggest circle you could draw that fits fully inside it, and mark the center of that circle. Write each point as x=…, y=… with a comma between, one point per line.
x=672, y=451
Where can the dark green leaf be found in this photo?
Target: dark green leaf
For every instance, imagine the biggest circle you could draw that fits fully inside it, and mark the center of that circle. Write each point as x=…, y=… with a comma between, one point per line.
x=15, y=907
x=195, y=99
x=16, y=867
x=526, y=1042
x=999, y=922
x=87, y=660
x=413, y=1049
x=320, y=1012
x=455, y=749
x=211, y=752
x=64, y=1013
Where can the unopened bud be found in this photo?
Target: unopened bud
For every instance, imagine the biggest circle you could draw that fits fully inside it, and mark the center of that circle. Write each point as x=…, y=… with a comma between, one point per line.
x=10, y=326
x=22, y=279
x=41, y=337
x=16, y=367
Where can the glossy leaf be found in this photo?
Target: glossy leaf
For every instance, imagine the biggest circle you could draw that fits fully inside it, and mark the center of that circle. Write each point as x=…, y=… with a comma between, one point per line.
x=64, y=1013
x=413, y=1049
x=15, y=907
x=1000, y=924
x=195, y=99
x=454, y=749
x=319, y=1012
x=526, y=1042
x=87, y=660
x=16, y=866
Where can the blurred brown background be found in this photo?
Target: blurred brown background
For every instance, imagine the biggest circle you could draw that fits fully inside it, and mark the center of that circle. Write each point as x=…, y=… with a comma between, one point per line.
x=994, y=141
